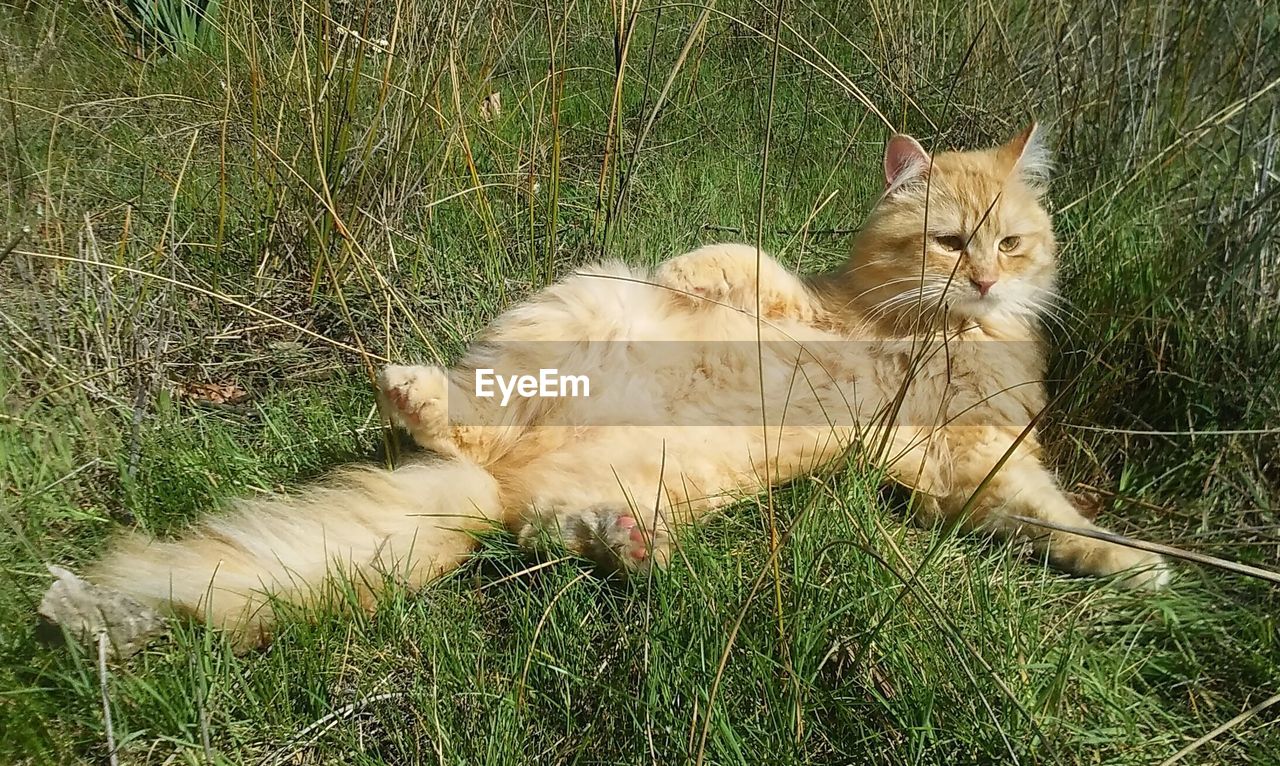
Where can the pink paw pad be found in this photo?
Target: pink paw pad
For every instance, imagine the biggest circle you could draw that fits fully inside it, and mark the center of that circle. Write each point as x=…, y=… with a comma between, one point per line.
x=613, y=536
x=637, y=547
x=400, y=400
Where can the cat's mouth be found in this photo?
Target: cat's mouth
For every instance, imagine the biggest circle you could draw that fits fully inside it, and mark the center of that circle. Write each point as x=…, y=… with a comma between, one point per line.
x=963, y=303
x=976, y=306
x=991, y=307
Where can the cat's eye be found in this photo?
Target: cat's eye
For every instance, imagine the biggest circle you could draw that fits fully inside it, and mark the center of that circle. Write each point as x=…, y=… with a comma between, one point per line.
x=951, y=242
x=1009, y=244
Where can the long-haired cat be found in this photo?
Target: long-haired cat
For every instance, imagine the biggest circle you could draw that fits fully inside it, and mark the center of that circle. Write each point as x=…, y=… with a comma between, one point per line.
x=711, y=376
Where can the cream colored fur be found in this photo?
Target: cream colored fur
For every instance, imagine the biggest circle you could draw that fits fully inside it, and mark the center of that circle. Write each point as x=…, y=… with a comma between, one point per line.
x=924, y=357
x=371, y=525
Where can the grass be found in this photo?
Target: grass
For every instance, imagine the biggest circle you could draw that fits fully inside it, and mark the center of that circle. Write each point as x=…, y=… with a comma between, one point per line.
x=315, y=189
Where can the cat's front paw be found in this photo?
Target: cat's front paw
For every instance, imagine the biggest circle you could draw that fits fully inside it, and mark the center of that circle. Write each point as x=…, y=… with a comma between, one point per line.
x=416, y=398
x=1134, y=569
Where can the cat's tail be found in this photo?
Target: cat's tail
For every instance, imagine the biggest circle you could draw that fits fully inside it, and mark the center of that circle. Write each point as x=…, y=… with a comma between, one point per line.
x=407, y=525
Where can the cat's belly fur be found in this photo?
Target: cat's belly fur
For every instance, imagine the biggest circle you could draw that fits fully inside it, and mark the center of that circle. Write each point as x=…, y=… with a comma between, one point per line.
x=675, y=416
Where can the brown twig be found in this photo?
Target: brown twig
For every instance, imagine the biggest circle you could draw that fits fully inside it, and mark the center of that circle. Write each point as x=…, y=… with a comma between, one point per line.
x=327, y=722
x=1234, y=722
x=787, y=232
x=17, y=240
x=112, y=757
x=1118, y=496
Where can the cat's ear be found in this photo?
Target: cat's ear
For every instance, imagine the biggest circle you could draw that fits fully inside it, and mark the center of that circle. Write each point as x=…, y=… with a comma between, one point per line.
x=905, y=160
x=1030, y=155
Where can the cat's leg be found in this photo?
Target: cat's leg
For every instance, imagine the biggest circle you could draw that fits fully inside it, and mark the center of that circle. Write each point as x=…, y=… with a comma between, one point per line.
x=1024, y=488
x=726, y=275
x=613, y=535
x=429, y=403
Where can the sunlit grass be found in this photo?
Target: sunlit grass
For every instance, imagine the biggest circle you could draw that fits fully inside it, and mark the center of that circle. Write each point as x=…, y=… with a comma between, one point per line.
x=317, y=188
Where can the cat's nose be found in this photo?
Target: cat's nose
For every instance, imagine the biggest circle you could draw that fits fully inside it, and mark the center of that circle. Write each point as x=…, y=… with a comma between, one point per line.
x=983, y=286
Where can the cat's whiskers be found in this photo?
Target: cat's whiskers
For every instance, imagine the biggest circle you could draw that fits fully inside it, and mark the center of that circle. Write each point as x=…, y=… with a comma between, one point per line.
x=1050, y=313
x=1051, y=308
x=927, y=296
x=1060, y=303
x=872, y=262
x=882, y=285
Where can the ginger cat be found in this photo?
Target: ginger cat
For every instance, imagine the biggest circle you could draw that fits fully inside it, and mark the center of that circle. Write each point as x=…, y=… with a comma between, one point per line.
x=712, y=375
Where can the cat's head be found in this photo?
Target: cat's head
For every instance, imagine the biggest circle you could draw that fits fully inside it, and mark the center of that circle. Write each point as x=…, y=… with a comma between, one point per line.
x=960, y=231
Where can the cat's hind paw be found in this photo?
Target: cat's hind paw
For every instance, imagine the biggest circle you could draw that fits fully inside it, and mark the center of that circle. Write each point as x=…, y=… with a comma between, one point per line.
x=610, y=535
x=700, y=282
x=726, y=275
